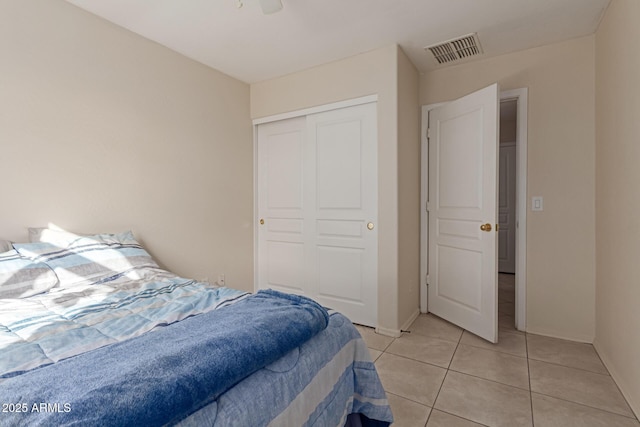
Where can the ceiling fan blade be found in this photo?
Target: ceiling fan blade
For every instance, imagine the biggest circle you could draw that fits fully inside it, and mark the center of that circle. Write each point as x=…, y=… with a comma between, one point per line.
x=270, y=6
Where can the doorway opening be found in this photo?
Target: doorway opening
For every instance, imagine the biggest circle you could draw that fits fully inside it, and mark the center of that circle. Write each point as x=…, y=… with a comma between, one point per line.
x=519, y=98
x=507, y=190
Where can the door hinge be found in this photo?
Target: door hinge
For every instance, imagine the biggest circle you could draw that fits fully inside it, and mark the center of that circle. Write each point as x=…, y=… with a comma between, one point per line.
x=428, y=206
x=427, y=279
x=428, y=133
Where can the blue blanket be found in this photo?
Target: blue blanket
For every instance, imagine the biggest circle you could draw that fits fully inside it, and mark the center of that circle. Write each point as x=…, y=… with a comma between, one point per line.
x=163, y=376
x=315, y=385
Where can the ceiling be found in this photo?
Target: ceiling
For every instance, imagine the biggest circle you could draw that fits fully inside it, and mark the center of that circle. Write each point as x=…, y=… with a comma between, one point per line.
x=250, y=46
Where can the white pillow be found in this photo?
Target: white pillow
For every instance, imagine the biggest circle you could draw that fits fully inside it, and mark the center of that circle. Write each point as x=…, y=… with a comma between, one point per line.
x=88, y=260
x=5, y=246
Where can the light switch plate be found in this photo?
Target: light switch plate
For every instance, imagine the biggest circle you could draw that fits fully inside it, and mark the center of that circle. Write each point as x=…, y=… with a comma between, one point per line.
x=536, y=204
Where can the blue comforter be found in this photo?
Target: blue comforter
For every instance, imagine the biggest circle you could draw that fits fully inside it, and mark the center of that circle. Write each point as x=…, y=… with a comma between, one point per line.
x=161, y=377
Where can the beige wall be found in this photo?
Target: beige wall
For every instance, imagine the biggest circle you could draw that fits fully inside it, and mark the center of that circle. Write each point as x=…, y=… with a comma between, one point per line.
x=102, y=130
x=560, y=78
x=618, y=197
x=408, y=191
x=374, y=72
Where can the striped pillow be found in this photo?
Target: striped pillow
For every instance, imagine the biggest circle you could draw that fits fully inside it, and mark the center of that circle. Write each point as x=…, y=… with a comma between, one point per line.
x=89, y=260
x=21, y=277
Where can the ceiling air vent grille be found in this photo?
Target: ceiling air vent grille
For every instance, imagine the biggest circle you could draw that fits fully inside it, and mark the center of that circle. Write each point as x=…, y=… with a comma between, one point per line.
x=456, y=49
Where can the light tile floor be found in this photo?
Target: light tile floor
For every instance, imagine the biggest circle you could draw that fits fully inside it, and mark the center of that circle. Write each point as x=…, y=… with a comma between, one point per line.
x=438, y=375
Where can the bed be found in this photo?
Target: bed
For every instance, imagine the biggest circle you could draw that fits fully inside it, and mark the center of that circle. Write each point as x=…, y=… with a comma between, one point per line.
x=93, y=332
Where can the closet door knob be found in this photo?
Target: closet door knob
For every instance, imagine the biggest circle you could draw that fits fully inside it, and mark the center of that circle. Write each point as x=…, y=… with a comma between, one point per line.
x=485, y=227
x=261, y=221
x=370, y=226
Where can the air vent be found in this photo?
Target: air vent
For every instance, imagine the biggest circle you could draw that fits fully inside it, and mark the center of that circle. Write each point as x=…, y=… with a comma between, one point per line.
x=456, y=49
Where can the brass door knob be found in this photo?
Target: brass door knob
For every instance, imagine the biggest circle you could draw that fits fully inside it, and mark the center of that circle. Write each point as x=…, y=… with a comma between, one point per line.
x=261, y=221
x=485, y=227
x=370, y=226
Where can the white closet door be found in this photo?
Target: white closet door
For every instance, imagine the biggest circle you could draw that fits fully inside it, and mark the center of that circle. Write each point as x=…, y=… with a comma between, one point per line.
x=281, y=241
x=342, y=160
x=317, y=196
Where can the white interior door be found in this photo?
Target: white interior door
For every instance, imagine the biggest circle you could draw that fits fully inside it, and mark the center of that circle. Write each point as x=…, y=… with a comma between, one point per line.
x=462, y=209
x=507, y=209
x=317, y=204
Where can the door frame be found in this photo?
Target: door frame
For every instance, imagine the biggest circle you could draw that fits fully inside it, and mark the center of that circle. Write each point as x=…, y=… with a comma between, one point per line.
x=519, y=95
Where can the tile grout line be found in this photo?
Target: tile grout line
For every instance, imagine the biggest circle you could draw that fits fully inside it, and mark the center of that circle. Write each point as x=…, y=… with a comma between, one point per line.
x=409, y=399
x=489, y=380
x=526, y=347
x=495, y=351
x=448, y=369
x=571, y=367
x=457, y=416
x=636, y=416
x=445, y=377
x=583, y=404
x=419, y=361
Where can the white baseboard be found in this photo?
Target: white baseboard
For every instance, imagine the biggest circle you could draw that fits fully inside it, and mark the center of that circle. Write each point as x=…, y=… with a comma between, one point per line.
x=552, y=334
x=634, y=405
x=395, y=333
x=411, y=319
